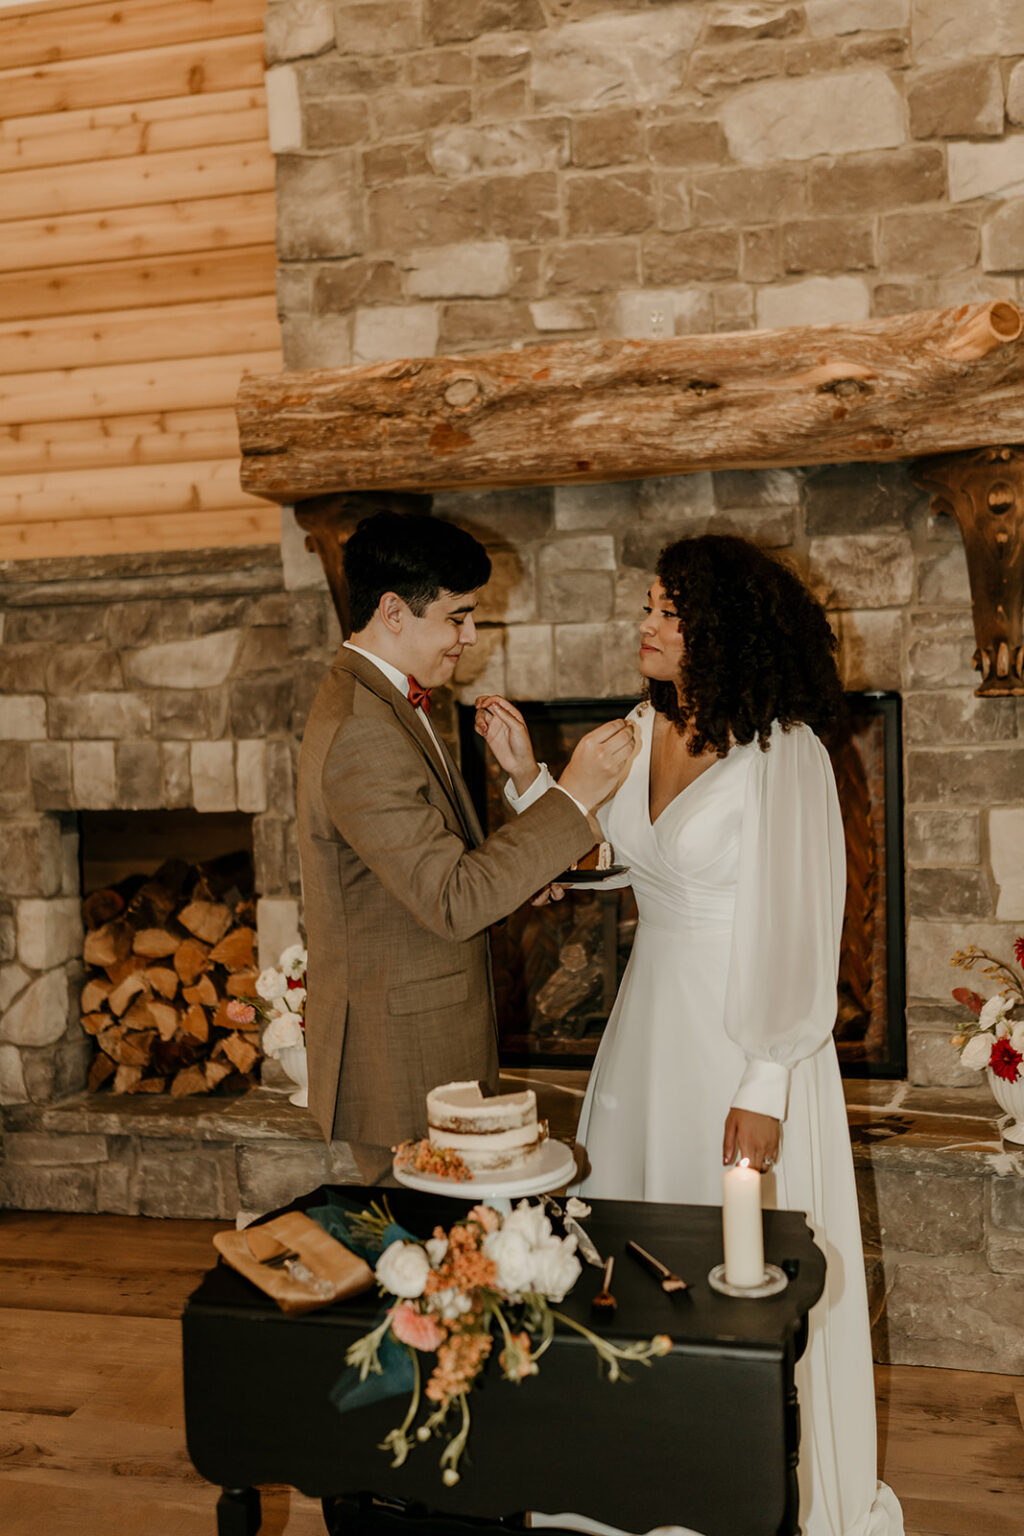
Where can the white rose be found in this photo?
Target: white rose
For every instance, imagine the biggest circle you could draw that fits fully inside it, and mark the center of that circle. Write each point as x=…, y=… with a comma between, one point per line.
x=293, y=962
x=993, y=1010
x=271, y=984
x=295, y=999
x=555, y=1268
x=436, y=1248
x=530, y=1222
x=283, y=1031
x=1017, y=1036
x=977, y=1052
x=403, y=1268
x=512, y=1259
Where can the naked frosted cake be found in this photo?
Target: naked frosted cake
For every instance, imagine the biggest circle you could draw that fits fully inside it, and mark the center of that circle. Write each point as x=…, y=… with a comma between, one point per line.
x=487, y=1133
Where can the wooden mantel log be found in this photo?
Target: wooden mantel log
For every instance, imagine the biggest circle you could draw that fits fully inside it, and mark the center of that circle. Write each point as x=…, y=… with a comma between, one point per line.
x=922, y=383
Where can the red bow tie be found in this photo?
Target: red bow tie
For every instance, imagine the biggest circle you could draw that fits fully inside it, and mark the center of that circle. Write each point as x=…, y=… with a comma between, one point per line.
x=418, y=697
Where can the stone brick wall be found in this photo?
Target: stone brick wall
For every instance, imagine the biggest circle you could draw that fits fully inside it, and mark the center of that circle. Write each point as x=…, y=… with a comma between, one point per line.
x=457, y=175
x=151, y=683
x=461, y=174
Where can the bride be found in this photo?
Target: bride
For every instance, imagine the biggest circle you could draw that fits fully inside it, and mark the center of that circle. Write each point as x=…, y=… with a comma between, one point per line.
x=720, y=1042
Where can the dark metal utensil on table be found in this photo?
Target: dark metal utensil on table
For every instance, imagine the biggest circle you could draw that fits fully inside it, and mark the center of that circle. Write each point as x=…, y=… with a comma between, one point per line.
x=669, y=1281
x=604, y=1301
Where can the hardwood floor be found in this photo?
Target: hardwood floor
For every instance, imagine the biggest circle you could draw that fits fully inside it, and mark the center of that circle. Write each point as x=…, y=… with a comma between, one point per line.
x=91, y=1419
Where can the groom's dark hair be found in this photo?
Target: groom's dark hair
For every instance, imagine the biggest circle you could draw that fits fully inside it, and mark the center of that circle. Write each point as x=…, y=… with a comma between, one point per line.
x=414, y=556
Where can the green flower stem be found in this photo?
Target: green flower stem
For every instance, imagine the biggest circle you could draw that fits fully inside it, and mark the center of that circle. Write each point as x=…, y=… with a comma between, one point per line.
x=612, y=1354
x=397, y=1440
x=364, y=1352
x=455, y=1447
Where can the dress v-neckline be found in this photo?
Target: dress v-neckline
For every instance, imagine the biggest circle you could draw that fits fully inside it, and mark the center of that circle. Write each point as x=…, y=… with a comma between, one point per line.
x=652, y=821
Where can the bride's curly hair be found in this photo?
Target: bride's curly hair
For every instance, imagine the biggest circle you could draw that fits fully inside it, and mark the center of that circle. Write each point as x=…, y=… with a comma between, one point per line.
x=757, y=646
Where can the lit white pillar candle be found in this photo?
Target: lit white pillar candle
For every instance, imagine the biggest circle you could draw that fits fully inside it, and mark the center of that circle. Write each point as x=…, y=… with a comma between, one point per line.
x=741, y=1225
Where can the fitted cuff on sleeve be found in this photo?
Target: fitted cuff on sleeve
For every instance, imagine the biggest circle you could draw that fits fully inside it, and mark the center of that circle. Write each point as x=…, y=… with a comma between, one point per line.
x=541, y=784
x=764, y=1088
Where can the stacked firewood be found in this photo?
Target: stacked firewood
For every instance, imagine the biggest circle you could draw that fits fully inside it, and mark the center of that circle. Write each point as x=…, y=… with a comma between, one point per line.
x=164, y=958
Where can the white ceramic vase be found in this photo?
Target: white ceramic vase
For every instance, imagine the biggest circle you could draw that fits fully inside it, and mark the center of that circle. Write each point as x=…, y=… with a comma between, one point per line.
x=293, y=1060
x=1009, y=1096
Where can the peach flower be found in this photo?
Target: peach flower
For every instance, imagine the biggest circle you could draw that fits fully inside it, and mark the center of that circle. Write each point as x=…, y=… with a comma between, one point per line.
x=417, y=1329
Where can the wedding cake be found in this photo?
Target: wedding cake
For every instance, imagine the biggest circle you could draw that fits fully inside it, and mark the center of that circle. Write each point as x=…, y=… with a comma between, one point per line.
x=599, y=858
x=487, y=1133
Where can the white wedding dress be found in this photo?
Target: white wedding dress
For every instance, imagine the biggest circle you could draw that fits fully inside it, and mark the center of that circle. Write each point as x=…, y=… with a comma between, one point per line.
x=729, y=999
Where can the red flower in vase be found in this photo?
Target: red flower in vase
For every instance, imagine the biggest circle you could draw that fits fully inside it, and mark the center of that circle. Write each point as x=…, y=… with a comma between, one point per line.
x=1018, y=949
x=1005, y=1061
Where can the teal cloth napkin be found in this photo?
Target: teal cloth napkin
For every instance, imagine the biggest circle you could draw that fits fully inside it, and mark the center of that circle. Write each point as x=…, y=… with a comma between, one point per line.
x=398, y=1375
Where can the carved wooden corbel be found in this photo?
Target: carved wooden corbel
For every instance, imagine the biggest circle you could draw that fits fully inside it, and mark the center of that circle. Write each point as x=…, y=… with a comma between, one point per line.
x=328, y=521
x=984, y=492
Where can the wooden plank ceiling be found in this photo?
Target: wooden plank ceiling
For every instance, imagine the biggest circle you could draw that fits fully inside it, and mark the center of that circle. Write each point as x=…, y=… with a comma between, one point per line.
x=137, y=273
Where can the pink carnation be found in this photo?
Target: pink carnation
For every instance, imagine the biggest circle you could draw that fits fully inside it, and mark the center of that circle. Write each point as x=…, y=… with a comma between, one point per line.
x=240, y=1013
x=417, y=1329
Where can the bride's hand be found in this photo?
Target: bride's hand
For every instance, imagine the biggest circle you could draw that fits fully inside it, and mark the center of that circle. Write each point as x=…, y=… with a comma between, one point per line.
x=508, y=738
x=753, y=1136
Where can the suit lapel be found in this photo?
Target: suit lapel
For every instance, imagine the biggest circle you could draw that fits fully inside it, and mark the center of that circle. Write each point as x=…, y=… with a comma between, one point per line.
x=411, y=721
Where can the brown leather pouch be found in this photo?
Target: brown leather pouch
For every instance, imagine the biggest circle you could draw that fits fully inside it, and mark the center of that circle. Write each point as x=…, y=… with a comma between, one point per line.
x=323, y=1270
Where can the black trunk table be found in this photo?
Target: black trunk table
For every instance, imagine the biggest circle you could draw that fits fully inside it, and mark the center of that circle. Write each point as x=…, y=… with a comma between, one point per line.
x=705, y=1437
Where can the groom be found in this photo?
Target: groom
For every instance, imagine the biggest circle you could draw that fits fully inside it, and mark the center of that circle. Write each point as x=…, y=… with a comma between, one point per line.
x=399, y=883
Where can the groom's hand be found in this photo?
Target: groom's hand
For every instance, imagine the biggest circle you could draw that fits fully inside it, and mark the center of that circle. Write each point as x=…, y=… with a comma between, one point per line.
x=508, y=737
x=599, y=762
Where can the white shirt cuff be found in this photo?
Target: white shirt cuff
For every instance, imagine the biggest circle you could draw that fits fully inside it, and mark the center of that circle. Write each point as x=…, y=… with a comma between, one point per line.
x=541, y=784
x=764, y=1088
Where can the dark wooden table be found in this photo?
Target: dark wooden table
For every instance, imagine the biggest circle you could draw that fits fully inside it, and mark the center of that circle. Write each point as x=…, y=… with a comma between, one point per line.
x=705, y=1437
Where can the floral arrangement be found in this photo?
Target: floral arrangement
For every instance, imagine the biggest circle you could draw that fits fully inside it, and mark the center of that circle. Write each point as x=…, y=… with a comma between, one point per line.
x=489, y=1277
x=280, y=1005
x=424, y=1157
x=995, y=1039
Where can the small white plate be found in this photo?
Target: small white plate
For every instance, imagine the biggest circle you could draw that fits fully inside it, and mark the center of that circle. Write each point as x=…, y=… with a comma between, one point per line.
x=550, y=1166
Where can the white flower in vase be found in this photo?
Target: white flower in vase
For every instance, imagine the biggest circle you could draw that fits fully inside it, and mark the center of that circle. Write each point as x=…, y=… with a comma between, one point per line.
x=293, y=962
x=977, y=1052
x=283, y=1032
x=271, y=984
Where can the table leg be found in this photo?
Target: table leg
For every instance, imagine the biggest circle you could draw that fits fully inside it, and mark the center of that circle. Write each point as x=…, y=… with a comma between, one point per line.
x=791, y=1515
x=239, y=1512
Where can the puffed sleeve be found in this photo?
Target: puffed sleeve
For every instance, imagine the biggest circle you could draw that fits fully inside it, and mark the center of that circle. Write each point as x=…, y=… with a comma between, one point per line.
x=780, y=1003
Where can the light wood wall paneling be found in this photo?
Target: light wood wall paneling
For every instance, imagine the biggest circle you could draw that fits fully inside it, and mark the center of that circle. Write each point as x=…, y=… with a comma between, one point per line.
x=137, y=273
x=140, y=132
x=162, y=229
x=182, y=69
x=128, y=389
x=129, y=25
x=140, y=335
x=100, y=536
x=127, y=491
x=134, y=181
x=98, y=287
x=42, y=447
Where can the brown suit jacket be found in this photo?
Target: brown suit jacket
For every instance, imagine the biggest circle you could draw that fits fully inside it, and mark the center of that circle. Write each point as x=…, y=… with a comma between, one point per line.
x=399, y=887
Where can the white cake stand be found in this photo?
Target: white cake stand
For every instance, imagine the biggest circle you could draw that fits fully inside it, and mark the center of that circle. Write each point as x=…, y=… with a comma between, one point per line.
x=549, y=1167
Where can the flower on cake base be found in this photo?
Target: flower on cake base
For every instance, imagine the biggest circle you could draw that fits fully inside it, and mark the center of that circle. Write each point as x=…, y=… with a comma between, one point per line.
x=486, y=1272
